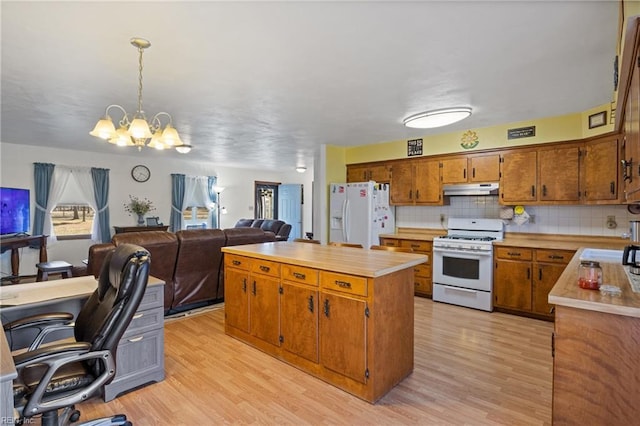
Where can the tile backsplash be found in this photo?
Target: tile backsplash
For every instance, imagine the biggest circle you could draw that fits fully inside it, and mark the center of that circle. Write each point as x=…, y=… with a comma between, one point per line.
x=574, y=220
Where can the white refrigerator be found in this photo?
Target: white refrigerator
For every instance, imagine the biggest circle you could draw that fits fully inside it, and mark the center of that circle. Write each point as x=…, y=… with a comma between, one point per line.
x=359, y=212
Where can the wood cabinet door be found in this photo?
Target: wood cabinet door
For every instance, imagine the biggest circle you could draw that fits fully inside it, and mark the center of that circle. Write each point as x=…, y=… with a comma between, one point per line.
x=454, y=170
x=299, y=320
x=401, y=191
x=379, y=173
x=632, y=138
x=512, y=285
x=600, y=169
x=343, y=331
x=427, y=182
x=558, y=171
x=544, y=279
x=357, y=174
x=236, y=298
x=518, y=176
x=264, y=310
x=484, y=168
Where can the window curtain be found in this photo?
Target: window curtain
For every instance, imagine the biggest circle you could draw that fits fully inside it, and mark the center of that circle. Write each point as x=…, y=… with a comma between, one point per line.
x=177, y=200
x=43, y=173
x=100, y=178
x=59, y=181
x=196, y=193
x=213, y=198
x=82, y=176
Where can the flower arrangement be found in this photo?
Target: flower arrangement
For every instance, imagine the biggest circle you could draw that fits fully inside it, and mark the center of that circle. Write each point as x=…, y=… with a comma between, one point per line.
x=139, y=206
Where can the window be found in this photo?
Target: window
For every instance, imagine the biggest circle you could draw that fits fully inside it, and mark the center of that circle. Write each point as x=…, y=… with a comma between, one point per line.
x=196, y=216
x=72, y=217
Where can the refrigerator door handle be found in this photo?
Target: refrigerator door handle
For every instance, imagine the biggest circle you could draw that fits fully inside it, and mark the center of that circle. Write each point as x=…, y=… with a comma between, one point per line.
x=345, y=220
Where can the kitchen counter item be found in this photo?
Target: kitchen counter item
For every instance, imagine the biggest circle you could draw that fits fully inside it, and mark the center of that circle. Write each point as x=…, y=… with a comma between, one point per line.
x=590, y=275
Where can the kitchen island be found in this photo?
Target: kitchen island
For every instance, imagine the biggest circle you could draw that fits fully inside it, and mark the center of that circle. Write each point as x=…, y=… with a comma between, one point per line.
x=344, y=315
x=596, y=346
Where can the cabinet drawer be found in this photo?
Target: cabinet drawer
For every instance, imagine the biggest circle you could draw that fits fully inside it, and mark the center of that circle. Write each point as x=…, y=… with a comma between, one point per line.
x=139, y=353
x=344, y=283
x=235, y=261
x=514, y=253
x=423, y=270
x=422, y=285
x=389, y=242
x=300, y=274
x=419, y=246
x=153, y=298
x=265, y=267
x=554, y=256
x=145, y=320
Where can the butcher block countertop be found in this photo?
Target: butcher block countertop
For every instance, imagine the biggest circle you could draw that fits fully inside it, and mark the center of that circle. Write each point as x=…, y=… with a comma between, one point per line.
x=348, y=260
x=547, y=241
x=566, y=291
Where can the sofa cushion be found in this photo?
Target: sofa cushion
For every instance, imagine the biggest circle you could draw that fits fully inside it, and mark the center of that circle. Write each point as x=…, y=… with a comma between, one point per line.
x=272, y=225
x=198, y=265
x=244, y=223
x=163, y=247
x=238, y=236
x=257, y=223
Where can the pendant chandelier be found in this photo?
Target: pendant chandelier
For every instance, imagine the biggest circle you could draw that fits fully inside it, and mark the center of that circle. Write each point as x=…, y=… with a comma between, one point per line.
x=136, y=130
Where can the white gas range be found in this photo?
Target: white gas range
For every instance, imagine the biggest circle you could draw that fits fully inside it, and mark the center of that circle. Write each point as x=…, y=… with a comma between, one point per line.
x=463, y=262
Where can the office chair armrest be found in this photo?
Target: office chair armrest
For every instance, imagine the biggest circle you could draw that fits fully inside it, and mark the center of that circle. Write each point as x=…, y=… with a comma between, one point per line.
x=37, y=320
x=52, y=351
x=55, y=361
x=45, y=323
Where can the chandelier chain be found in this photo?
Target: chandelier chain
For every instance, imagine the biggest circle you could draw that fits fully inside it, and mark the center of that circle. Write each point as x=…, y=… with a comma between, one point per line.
x=140, y=50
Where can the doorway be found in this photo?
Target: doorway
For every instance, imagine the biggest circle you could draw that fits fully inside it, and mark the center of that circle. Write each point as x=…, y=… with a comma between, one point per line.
x=266, y=200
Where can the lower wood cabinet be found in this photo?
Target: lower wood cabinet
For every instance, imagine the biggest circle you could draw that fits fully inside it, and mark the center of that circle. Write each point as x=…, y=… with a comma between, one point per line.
x=423, y=280
x=595, y=368
x=523, y=278
x=324, y=322
x=140, y=355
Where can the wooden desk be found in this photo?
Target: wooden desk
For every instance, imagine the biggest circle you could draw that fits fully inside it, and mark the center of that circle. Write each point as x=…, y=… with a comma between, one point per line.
x=122, y=229
x=14, y=243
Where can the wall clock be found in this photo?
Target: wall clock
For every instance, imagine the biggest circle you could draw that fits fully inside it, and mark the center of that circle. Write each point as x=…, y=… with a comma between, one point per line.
x=140, y=173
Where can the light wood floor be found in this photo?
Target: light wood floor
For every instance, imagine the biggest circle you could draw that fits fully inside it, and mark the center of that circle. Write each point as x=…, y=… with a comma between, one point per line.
x=471, y=368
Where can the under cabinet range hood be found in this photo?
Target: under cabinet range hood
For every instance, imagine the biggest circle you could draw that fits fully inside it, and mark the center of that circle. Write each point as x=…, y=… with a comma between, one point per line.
x=471, y=189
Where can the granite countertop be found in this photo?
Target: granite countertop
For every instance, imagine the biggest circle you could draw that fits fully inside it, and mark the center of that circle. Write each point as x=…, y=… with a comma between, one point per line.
x=566, y=291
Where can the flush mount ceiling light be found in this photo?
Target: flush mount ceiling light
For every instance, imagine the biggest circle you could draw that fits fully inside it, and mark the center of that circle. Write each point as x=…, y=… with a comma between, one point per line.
x=301, y=169
x=437, y=117
x=136, y=130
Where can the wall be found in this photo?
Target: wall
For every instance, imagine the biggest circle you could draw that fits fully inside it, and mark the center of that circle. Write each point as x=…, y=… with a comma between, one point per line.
x=16, y=170
x=571, y=220
x=552, y=129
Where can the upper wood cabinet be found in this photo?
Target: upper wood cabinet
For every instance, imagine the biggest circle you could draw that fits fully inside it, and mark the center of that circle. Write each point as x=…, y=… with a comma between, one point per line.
x=471, y=168
x=631, y=159
x=518, y=176
x=571, y=173
x=600, y=172
x=558, y=173
x=366, y=172
x=416, y=182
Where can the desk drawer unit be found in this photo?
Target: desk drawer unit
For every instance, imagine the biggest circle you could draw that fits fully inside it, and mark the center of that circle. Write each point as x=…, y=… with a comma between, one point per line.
x=140, y=357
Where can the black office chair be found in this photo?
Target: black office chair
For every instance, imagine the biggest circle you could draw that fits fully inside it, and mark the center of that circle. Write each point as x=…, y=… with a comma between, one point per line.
x=55, y=377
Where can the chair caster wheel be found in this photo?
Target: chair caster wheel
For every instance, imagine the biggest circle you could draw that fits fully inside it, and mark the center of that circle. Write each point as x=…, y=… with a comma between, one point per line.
x=75, y=416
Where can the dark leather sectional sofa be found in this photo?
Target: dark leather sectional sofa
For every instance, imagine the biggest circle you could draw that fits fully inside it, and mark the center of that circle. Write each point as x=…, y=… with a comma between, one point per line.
x=278, y=227
x=189, y=261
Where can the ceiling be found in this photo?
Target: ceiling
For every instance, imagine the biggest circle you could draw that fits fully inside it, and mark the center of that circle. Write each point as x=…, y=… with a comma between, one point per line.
x=263, y=84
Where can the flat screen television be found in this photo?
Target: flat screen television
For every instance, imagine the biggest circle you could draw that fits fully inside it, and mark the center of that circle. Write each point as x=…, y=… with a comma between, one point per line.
x=14, y=207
